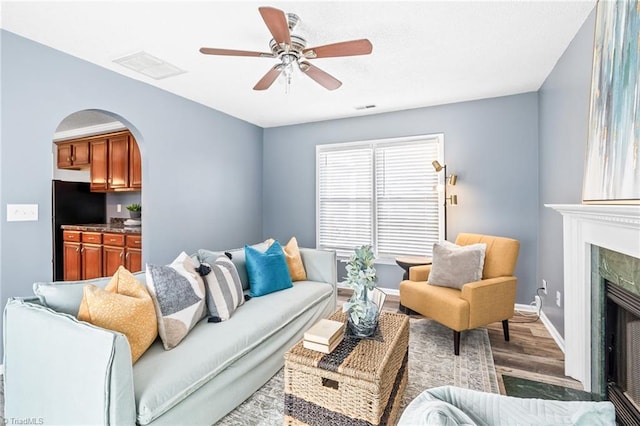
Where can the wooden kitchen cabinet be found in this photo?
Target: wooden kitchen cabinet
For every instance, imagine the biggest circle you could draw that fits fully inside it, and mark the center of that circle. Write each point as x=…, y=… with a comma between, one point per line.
x=99, y=164
x=73, y=154
x=133, y=253
x=72, y=270
x=118, y=165
x=113, y=252
x=115, y=163
x=90, y=255
x=135, y=165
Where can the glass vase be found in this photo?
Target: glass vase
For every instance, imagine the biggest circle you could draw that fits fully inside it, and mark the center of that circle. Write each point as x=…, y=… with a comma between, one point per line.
x=367, y=312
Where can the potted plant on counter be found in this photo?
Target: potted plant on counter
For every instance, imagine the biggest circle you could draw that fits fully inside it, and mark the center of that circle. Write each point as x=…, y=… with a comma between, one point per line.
x=135, y=211
x=363, y=313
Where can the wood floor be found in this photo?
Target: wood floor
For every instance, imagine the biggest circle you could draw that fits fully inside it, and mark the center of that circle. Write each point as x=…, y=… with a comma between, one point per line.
x=530, y=354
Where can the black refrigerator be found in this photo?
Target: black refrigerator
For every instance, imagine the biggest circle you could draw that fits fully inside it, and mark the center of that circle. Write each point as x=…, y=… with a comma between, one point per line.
x=72, y=203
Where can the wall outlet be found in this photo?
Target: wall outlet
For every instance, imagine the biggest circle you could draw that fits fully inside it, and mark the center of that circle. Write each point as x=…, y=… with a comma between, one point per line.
x=118, y=208
x=538, y=302
x=558, y=298
x=544, y=286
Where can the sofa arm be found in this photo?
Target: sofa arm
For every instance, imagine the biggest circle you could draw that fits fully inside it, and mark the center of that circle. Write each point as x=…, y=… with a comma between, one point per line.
x=64, y=371
x=320, y=265
x=419, y=273
x=490, y=300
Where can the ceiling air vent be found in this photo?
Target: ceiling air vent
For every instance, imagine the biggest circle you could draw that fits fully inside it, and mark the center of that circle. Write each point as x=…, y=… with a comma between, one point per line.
x=149, y=65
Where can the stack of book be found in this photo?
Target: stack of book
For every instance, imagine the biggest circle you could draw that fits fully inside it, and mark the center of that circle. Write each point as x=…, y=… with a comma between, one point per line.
x=324, y=336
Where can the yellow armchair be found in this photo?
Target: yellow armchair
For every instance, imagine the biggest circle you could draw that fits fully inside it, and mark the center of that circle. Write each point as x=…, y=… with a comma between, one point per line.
x=478, y=303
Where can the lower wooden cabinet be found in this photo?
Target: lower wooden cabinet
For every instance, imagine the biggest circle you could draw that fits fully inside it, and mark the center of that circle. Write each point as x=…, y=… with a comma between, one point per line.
x=72, y=270
x=133, y=255
x=90, y=255
x=113, y=252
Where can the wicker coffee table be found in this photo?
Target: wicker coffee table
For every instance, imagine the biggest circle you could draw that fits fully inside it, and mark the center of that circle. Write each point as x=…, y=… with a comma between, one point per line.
x=360, y=383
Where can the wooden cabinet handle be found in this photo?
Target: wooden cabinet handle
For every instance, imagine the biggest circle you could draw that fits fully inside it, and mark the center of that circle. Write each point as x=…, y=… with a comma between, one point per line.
x=82, y=250
x=68, y=158
x=127, y=256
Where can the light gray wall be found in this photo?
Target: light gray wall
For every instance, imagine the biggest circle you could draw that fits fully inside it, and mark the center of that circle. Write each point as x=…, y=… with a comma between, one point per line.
x=202, y=169
x=491, y=144
x=564, y=113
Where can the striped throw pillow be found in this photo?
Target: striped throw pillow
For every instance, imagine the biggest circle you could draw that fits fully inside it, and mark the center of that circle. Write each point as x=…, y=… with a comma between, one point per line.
x=224, y=289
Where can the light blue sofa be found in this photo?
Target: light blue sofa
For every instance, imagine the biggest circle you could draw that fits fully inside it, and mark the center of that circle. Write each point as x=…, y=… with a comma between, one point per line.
x=65, y=371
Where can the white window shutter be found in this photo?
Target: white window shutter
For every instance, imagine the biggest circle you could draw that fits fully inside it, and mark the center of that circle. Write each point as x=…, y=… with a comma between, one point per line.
x=382, y=193
x=345, y=198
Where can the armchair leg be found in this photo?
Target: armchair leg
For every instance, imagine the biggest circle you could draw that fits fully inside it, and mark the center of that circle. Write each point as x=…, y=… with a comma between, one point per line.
x=403, y=309
x=456, y=342
x=505, y=329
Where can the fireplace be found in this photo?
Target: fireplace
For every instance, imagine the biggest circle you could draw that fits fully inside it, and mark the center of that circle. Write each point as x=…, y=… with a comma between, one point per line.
x=621, y=346
x=601, y=245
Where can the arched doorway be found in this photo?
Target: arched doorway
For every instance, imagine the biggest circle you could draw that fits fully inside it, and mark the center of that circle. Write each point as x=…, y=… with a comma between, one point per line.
x=96, y=179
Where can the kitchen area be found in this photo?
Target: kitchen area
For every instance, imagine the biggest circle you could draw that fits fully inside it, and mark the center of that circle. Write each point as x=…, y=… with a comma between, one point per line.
x=96, y=198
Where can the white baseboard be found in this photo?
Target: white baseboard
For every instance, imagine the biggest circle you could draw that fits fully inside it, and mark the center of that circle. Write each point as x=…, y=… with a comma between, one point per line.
x=553, y=331
x=547, y=323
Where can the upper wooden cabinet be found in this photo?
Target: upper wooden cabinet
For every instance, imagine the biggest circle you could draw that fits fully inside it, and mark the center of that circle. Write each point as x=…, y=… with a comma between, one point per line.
x=115, y=163
x=135, y=165
x=73, y=154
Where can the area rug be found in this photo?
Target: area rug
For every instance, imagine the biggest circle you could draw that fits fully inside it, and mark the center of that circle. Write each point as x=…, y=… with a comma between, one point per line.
x=431, y=364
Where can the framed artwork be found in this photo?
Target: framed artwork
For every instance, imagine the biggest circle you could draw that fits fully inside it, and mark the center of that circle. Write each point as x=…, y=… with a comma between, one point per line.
x=612, y=169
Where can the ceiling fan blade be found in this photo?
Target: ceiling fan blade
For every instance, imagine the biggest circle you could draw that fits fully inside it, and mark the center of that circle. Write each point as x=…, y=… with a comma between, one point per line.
x=267, y=80
x=345, y=48
x=325, y=80
x=277, y=23
x=230, y=52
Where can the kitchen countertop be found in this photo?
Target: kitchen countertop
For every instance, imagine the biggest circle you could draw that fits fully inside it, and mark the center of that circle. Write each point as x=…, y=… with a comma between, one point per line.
x=101, y=227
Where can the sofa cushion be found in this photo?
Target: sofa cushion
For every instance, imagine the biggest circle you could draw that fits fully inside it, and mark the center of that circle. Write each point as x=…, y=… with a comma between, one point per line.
x=268, y=272
x=178, y=294
x=65, y=296
x=454, y=266
x=211, y=348
x=224, y=289
x=124, y=305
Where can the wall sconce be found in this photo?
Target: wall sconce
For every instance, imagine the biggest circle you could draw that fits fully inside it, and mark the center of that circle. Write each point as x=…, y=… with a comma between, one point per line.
x=451, y=180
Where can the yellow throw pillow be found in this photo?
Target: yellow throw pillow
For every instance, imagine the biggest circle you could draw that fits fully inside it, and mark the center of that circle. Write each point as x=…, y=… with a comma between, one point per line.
x=294, y=260
x=125, y=306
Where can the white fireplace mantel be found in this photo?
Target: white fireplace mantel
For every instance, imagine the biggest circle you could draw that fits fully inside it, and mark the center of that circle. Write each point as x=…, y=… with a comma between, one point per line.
x=615, y=227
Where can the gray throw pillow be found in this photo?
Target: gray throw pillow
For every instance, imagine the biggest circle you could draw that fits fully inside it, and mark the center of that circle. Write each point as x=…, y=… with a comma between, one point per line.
x=454, y=266
x=224, y=289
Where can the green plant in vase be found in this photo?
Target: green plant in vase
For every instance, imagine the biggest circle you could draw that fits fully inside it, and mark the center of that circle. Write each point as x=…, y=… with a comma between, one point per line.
x=135, y=211
x=361, y=277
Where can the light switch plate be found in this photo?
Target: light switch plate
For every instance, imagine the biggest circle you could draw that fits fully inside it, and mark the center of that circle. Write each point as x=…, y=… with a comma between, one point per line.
x=22, y=212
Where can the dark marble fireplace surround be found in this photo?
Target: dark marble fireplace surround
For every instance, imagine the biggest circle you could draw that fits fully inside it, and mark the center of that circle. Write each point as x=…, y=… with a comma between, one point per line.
x=615, y=309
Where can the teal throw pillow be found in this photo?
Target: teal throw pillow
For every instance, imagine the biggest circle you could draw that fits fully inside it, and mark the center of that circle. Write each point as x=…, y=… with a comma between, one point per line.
x=268, y=272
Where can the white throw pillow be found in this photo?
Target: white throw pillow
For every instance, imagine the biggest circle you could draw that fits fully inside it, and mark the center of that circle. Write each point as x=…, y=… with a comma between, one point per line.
x=454, y=266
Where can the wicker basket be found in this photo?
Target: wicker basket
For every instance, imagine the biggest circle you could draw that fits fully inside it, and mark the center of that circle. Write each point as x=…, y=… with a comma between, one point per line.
x=359, y=383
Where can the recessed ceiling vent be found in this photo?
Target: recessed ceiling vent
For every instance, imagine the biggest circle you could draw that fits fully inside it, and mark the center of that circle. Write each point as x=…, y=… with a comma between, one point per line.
x=149, y=65
x=363, y=107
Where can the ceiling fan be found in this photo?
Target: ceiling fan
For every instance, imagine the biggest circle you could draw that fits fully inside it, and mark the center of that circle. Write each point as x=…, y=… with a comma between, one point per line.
x=292, y=51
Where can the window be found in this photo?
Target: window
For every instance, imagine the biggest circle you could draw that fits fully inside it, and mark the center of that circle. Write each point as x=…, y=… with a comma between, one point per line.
x=382, y=193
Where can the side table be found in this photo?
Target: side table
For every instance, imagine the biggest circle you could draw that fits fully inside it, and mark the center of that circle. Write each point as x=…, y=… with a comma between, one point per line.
x=406, y=262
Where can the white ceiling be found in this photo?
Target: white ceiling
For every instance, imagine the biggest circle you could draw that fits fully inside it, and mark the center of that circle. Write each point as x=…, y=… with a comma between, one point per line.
x=424, y=53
